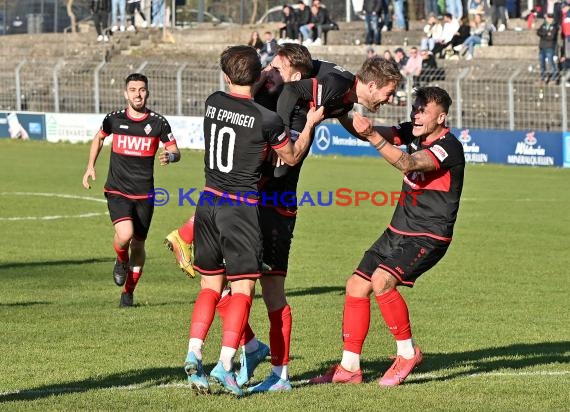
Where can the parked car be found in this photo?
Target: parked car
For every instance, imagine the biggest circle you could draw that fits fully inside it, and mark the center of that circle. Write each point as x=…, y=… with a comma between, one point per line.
x=189, y=17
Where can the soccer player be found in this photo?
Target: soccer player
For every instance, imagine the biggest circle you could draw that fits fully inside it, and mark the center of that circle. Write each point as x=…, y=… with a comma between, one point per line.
x=227, y=233
x=137, y=132
x=416, y=239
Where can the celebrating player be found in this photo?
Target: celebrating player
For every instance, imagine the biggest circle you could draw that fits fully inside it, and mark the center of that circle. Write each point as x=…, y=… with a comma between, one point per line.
x=136, y=132
x=416, y=239
x=227, y=235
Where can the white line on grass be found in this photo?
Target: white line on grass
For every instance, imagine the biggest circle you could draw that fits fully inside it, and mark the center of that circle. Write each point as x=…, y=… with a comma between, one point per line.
x=54, y=217
x=415, y=376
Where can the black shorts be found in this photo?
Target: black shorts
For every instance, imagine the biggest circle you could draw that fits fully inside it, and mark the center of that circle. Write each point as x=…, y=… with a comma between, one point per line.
x=277, y=230
x=227, y=238
x=140, y=211
x=404, y=257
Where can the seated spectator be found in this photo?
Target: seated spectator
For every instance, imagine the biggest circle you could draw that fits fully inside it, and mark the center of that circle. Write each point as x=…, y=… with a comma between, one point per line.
x=255, y=41
x=370, y=52
x=304, y=24
x=288, y=26
x=450, y=29
x=432, y=31
x=388, y=56
x=477, y=7
x=322, y=23
x=400, y=57
x=413, y=66
x=430, y=72
x=267, y=52
x=480, y=30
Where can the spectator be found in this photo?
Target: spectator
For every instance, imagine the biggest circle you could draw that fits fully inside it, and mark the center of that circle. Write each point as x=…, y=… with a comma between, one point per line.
x=119, y=20
x=430, y=7
x=548, y=33
x=371, y=9
x=499, y=10
x=398, y=7
x=132, y=7
x=388, y=55
x=450, y=29
x=400, y=58
x=386, y=16
x=255, y=41
x=455, y=8
x=565, y=31
x=432, y=31
x=370, y=52
x=322, y=23
x=268, y=50
x=413, y=66
x=158, y=13
x=288, y=25
x=100, y=10
x=477, y=7
x=304, y=23
x=479, y=30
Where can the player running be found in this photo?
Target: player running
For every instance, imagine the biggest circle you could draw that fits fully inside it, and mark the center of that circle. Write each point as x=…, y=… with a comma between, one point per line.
x=137, y=132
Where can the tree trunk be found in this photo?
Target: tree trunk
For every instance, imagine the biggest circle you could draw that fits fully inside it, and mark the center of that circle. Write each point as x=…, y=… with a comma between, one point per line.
x=254, y=12
x=72, y=17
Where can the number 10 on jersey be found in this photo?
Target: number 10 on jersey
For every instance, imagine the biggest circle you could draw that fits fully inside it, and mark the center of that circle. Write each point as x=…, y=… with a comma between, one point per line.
x=221, y=141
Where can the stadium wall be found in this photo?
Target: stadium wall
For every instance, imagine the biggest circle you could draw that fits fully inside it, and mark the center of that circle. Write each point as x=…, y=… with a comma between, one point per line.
x=518, y=147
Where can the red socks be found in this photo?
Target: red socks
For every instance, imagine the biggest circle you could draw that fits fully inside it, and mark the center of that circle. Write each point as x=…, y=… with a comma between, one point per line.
x=203, y=313
x=395, y=313
x=280, y=335
x=186, y=232
x=355, y=323
x=235, y=319
x=132, y=280
x=222, y=309
x=122, y=254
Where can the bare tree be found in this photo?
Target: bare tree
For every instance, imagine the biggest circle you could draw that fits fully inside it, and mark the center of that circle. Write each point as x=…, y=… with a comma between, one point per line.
x=71, y=15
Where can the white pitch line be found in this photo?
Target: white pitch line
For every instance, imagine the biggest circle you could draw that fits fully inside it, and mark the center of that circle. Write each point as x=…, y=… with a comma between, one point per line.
x=415, y=376
x=55, y=217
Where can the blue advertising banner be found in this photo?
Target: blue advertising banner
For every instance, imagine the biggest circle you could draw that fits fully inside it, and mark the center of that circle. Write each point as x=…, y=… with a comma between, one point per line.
x=481, y=146
x=566, y=149
x=23, y=125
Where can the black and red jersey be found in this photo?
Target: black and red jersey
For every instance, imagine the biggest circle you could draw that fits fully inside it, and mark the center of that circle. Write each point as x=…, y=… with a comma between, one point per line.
x=431, y=209
x=237, y=132
x=330, y=87
x=135, y=142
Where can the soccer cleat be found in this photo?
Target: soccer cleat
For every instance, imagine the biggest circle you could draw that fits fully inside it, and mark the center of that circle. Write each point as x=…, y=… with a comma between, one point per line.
x=272, y=383
x=126, y=300
x=400, y=369
x=120, y=272
x=249, y=361
x=226, y=379
x=337, y=374
x=197, y=378
x=182, y=252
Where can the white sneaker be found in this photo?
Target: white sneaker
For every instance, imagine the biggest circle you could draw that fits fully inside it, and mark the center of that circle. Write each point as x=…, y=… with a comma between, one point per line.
x=318, y=42
x=105, y=38
x=501, y=27
x=384, y=28
x=100, y=37
x=458, y=48
x=307, y=42
x=468, y=57
x=114, y=28
x=131, y=28
x=144, y=25
x=122, y=28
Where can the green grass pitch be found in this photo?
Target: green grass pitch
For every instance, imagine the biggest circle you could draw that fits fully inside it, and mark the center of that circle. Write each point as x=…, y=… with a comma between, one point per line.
x=493, y=318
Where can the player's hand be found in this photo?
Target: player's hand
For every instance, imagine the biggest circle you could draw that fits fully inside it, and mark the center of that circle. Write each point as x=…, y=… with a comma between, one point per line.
x=89, y=173
x=163, y=158
x=314, y=117
x=362, y=125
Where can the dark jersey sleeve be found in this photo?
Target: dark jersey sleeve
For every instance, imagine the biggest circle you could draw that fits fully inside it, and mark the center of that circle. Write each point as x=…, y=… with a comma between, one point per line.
x=403, y=133
x=291, y=94
x=166, y=135
x=447, y=152
x=107, y=126
x=274, y=130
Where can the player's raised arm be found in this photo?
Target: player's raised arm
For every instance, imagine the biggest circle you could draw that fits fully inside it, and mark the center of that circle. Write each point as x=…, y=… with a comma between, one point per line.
x=293, y=153
x=419, y=161
x=94, y=151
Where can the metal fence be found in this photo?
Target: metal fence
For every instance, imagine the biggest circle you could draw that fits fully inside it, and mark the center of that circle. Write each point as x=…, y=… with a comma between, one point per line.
x=499, y=98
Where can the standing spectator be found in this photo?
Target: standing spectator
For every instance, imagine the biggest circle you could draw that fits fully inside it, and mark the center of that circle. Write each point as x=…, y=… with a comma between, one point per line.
x=499, y=10
x=222, y=253
x=477, y=7
x=413, y=66
x=416, y=239
x=386, y=16
x=100, y=10
x=432, y=31
x=158, y=13
x=288, y=25
x=304, y=23
x=455, y=8
x=137, y=133
x=565, y=31
x=548, y=33
x=371, y=9
x=399, y=14
x=119, y=20
x=132, y=7
x=254, y=41
x=430, y=7
x=268, y=50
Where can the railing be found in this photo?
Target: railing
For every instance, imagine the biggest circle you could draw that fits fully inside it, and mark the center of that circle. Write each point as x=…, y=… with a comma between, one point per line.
x=509, y=98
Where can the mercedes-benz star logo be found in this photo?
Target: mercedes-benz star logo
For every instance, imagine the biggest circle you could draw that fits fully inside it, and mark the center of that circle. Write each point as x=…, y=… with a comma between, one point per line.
x=323, y=138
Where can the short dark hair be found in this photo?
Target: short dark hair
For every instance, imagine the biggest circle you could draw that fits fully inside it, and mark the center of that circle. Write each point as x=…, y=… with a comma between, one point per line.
x=379, y=70
x=136, y=77
x=241, y=64
x=298, y=55
x=434, y=94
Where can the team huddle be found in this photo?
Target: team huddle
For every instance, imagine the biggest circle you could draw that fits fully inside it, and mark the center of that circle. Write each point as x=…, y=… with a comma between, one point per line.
x=257, y=136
